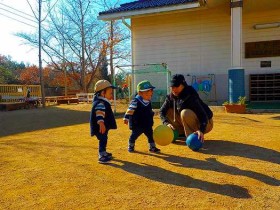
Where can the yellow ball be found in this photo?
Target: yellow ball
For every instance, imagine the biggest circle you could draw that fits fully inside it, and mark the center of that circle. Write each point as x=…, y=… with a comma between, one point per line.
x=163, y=135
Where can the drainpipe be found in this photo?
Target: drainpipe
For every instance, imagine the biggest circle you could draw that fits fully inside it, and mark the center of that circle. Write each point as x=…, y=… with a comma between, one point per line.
x=132, y=70
x=125, y=23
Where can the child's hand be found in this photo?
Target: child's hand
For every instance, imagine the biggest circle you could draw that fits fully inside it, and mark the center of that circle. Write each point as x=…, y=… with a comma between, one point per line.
x=102, y=127
x=125, y=122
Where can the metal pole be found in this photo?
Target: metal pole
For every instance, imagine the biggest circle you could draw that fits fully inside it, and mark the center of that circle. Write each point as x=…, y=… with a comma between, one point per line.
x=115, y=94
x=40, y=57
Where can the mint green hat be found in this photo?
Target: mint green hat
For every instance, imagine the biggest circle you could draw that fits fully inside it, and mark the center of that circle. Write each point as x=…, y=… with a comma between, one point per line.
x=144, y=86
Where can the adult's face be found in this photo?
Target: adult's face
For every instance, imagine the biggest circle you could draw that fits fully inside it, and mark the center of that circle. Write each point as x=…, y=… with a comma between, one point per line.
x=177, y=90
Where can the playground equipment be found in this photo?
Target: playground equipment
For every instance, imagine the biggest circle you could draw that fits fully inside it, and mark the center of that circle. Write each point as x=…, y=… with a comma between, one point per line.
x=157, y=74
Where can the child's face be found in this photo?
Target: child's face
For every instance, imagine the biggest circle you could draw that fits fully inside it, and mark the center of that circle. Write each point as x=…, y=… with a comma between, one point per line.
x=146, y=95
x=108, y=93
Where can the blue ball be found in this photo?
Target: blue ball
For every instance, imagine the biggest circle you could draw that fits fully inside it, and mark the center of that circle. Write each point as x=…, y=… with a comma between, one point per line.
x=193, y=142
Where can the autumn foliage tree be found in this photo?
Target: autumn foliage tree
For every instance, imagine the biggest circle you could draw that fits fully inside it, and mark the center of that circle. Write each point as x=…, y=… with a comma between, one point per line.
x=52, y=77
x=30, y=75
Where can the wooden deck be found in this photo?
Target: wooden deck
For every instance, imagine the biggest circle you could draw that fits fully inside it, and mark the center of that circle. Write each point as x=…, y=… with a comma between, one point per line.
x=9, y=106
x=20, y=104
x=15, y=103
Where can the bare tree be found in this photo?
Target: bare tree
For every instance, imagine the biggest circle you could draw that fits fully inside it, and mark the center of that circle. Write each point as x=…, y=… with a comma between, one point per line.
x=118, y=34
x=75, y=41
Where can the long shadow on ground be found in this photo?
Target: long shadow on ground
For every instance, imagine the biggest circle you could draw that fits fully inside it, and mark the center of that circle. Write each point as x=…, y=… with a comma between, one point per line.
x=276, y=117
x=38, y=119
x=168, y=177
x=228, y=148
x=211, y=164
x=20, y=121
x=212, y=147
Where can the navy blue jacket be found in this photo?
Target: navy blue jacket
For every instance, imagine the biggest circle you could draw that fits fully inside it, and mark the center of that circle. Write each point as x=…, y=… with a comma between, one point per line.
x=109, y=120
x=143, y=115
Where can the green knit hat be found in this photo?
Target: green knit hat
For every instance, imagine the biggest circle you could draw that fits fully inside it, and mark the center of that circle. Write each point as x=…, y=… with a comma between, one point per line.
x=144, y=86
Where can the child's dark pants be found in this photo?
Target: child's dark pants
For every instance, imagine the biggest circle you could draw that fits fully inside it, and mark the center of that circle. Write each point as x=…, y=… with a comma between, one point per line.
x=138, y=131
x=102, y=142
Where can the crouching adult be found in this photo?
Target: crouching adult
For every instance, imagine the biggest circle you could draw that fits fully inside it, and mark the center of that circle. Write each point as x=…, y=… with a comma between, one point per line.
x=184, y=111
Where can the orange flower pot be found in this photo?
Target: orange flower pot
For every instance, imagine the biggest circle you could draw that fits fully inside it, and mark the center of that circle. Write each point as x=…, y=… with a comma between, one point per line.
x=235, y=108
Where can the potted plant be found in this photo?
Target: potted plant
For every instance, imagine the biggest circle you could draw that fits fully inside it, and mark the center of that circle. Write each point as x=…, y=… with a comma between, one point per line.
x=238, y=107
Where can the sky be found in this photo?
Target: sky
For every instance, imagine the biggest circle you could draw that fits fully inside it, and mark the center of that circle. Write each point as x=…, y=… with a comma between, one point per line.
x=11, y=44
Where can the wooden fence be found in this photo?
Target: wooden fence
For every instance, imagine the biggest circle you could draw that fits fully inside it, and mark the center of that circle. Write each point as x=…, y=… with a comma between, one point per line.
x=9, y=93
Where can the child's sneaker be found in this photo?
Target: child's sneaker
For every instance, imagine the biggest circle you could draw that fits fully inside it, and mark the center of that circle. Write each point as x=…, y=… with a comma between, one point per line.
x=131, y=148
x=154, y=149
x=104, y=159
x=108, y=154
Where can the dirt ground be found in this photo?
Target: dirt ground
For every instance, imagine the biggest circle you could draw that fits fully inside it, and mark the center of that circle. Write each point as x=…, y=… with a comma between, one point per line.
x=49, y=161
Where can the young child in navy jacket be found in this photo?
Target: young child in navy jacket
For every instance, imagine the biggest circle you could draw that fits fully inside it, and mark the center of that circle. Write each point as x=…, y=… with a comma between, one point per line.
x=139, y=116
x=102, y=118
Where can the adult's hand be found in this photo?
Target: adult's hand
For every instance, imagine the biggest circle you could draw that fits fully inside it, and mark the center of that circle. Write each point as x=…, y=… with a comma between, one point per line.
x=102, y=127
x=125, y=122
x=200, y=135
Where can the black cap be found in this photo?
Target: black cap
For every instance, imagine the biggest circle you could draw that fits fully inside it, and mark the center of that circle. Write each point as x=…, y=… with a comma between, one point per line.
x=177, y=80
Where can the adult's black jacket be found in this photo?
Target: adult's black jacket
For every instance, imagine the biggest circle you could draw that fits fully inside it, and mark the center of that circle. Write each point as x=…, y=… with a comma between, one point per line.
x=187, y=99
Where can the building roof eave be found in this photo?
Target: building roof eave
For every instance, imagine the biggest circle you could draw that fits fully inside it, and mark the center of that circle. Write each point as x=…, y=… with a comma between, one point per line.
x=150, y=11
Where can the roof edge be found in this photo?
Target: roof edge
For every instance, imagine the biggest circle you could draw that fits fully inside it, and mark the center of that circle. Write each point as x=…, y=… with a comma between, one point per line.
x=134, y=13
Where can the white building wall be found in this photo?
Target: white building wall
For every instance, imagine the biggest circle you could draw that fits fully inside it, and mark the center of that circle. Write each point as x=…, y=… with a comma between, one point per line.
x=195, y=43
x=198, y=43
x=187, y=42
x=252, y=65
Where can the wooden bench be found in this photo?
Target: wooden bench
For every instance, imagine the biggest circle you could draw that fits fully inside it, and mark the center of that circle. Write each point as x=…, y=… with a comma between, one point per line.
x=66, y=100
x=51, y=100
x=72, y=93
x=85, y=97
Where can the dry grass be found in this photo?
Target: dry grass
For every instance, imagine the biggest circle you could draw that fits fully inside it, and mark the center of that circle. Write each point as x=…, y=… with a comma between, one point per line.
x=49, y=161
